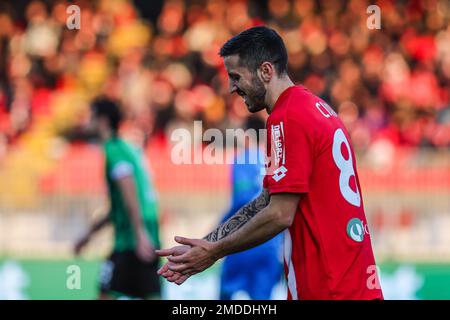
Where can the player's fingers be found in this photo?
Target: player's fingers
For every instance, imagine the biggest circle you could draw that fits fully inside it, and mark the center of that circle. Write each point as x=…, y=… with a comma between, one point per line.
x=163, y=269
x=179, y=259
x=179, y=267
x=186, y=241
x=182, y=279
x=165, y=252
x=169, y=279
x=175, y=277
x=168, y=273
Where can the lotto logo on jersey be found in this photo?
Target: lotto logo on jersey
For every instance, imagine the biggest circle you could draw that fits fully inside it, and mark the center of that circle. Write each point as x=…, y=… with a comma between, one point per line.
x=279, y=174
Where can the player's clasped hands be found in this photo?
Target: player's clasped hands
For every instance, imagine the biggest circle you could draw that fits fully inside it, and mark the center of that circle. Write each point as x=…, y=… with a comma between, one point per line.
x=193, y=256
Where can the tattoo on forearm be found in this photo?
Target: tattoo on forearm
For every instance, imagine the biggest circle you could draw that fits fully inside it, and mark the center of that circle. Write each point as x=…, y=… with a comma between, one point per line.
x=241, y=217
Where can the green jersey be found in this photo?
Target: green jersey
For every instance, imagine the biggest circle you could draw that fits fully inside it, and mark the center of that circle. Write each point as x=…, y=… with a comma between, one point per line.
x=123, y=159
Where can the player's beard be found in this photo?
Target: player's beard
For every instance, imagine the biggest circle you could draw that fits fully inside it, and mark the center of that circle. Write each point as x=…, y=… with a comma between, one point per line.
x=256, y=96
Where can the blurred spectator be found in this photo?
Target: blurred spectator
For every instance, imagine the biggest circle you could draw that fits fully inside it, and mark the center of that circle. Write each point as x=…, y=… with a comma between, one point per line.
x=162, y=64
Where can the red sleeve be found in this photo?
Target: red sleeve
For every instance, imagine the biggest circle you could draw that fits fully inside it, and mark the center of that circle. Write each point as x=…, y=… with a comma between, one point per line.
x=291, y=140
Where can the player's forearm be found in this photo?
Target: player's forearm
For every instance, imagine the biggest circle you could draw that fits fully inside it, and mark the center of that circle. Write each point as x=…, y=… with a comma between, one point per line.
x=133, y=209
x=135, y=218
x=268, y=223
x=98, y=225
x=240, y=218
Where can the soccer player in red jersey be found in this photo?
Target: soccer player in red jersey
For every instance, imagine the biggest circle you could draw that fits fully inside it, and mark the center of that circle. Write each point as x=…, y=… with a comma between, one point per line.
x=311, y=188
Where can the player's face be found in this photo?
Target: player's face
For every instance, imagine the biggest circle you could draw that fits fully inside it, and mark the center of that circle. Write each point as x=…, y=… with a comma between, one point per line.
x=96, y=125
x=93, y=124
x=246, y=84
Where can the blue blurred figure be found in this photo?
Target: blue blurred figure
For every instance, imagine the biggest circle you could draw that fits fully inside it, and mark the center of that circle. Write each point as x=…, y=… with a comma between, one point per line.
x=258, y=270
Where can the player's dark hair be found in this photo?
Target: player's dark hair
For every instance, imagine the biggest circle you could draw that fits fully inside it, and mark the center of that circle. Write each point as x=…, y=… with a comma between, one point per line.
x=255, y=46
x=104, y=107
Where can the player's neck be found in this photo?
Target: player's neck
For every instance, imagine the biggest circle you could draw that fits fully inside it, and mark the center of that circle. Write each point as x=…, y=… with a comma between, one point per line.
x=279, y=86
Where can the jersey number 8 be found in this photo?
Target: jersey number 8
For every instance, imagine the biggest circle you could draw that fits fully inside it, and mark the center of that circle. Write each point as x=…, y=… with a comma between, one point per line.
x=346, y=168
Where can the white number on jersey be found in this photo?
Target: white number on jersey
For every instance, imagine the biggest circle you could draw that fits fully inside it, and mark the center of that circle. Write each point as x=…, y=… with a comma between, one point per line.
x=346, y=168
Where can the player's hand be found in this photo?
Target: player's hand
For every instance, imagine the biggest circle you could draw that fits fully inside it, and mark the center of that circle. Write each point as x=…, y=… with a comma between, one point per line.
x=199, y=257
x=144, y=248
x=172, y=276
x=165, y=272
x=80, y=244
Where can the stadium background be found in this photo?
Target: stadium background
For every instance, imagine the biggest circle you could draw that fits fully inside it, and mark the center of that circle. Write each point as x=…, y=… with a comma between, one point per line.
x=391, y=87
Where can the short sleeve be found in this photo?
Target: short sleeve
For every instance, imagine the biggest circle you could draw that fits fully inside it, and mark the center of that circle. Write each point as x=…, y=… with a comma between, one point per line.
x=292, y=155
x=119, y=159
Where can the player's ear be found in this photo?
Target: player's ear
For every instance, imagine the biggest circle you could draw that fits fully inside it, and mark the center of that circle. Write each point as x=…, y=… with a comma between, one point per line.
x=266, y=71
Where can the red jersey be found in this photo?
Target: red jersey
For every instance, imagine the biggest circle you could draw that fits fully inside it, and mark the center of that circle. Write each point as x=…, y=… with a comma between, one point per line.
x=327, y=250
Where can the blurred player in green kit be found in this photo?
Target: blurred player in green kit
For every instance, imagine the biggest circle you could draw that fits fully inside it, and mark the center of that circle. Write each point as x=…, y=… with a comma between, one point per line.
x=130, y=270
